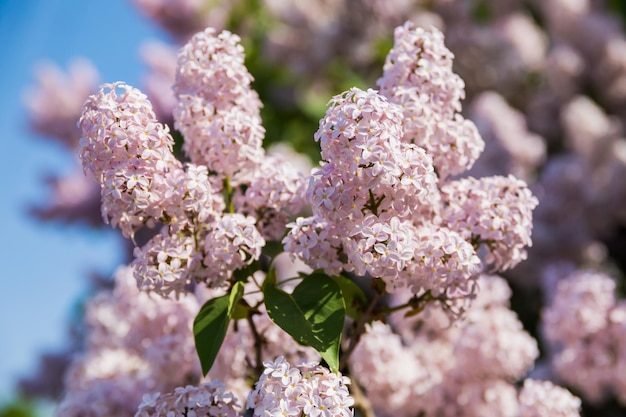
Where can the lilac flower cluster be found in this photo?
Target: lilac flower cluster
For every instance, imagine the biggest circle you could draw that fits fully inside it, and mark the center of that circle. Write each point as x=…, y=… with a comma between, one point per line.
x=217, y=111
x=125, y=148
x=308, y=389
x=143, y=184
x=382, y=202
x=418, y=76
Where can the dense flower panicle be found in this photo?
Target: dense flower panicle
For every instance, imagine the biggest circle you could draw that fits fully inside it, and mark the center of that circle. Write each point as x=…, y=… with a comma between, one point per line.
x=444, y=264
x=209, y=399
x=316, y=242
x=164, y=265
x=193, y=199
x=356, y=122
x=367, y=168
x=276, y=193
x=211, y=67
x=493, y=212
x=308, y=389
x=419, y=59
x=129, y=152
x=233, y=243
x=218, y=113
x=120, y=130
x=544, y=399
x=418, y=77
x=455, y=144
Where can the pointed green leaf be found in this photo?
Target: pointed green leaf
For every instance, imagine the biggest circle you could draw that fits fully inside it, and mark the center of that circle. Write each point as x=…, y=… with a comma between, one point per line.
x=313, y=314
x=211, y=324
x=283, y=310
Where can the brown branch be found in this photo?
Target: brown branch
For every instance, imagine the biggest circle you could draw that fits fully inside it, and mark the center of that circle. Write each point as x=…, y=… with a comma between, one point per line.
x=258, y=345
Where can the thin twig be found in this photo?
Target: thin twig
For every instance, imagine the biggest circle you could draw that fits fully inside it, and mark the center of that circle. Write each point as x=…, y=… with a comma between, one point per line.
x=359, y=329
x=258, y=346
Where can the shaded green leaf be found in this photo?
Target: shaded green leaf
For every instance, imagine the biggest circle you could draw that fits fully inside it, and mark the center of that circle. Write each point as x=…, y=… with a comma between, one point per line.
x=211, y=324
x=313, y=314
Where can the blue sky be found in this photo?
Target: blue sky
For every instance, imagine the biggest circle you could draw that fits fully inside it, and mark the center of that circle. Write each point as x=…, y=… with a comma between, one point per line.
x=45, y=265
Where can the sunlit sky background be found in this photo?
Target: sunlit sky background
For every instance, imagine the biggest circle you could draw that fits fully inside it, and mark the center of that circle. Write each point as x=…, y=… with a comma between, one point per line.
x=45, y=266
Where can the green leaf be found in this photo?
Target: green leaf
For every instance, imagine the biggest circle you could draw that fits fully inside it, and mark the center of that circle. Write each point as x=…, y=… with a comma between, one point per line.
x=353, y=296
x=313, y=314
x=211, y=324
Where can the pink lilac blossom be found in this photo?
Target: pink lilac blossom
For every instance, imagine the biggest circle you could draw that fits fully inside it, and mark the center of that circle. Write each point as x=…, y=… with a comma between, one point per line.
x=316, y=242
x=306, y=389
x=165, y=264
x=493, y=212
x=218, y=113
x=366, y=163
x=209, y=399
x=418, y=77
x=172, y=260
x=444, y=264
x=420, y=60
x=377, y=196
x=232, y=243
x=275, y=194
x=129, y=152
x=544, y=399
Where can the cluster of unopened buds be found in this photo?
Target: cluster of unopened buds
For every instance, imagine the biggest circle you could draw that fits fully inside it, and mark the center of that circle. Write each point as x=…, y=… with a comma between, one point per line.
x=386, y=203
